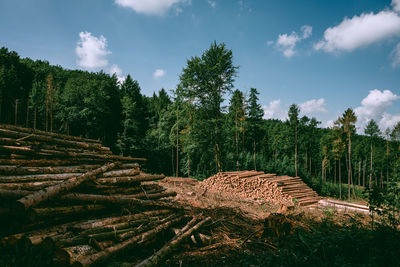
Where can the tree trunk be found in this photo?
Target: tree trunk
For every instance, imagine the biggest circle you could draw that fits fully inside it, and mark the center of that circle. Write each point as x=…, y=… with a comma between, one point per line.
x=254, y=156
x=364, y=167
x=370, y=174
x=102, y=256
x=177, y=143
x=178, y=239
x=295, y=150
x=33, y=199
x=34, y=117
x=359, y=173
x=349, y=169
x=16, y=112
x=340, y=180
x=335, y=172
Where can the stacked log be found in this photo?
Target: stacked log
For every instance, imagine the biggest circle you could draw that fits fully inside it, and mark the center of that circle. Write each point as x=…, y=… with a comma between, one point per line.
x=70, y=200
x=262, y=186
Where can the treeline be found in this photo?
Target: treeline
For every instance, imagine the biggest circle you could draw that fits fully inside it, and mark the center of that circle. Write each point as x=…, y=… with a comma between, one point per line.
x=190, y=132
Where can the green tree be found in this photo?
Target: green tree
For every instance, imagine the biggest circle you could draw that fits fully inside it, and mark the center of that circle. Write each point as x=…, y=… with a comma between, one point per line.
x=347, y=121
x=204, y=82
x=236, y=116
x=372, y=130
x=255, y=120
x=293, y=114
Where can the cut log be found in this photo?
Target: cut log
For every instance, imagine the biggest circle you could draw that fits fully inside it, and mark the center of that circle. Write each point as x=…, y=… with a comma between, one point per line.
x=119, y=173
x=67, y=256
x=39, y=132
x=104, y=255
x=13, y=194
x=28, y=186
x=157, y=257
x=19, y=170
x=111, y=220
x=112, y=200
x=130, y=179
x=36, y=213
x=33, y=199
x=38, y=177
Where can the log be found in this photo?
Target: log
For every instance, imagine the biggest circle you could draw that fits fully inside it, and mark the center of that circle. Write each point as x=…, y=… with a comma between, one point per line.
x=39, y=132
x=19, y=170
x=33, y=199
x=44, y=162
x=36, y=213
x=149, y=195
x=110, y=220
x=104, y=255
x=119, y=173
x=38, y=177
x=157, y=257
x=12, y=194
x=68, y=255
x=28, y=186
x=112, y=200
x=130, y=179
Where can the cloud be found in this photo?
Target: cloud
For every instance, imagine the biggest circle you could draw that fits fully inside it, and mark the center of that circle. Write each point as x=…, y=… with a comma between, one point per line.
x=212, y=3
x=287, y=43
x=274, y=111
x=91, y=51
x=374, y=106
x=396, y=56
x=152, y=7
x=158, y=73
x=396, y=5
x=313, y=107
x=360, y=31
x=115, y=69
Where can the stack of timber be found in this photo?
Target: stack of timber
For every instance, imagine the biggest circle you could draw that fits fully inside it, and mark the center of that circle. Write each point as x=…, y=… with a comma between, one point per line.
x=263, y=186
x=68, y=200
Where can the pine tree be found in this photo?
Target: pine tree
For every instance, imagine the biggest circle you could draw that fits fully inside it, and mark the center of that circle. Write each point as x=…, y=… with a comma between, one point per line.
x=255, y=119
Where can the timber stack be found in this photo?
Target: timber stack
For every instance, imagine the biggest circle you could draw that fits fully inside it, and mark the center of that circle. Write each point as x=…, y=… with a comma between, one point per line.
x=67, y=200
x=262, y=186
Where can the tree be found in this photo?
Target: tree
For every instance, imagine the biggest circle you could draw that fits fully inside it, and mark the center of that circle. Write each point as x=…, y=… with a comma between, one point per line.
x=204, y=82
x=372, y=130
x=255, y=119
x=347, y=121
x=293, y=113
x=236, y=114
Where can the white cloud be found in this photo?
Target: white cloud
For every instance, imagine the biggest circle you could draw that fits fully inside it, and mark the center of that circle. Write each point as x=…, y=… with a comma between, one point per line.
x=270, y=43
x=287, y=43
x=396, y=55
x=274, y=110
x=328, y=124
x=396, y=5
x=313, y=107
x=212, y=3
x=91, y=51
x=115, y=69
x=158, y=73
x=374, y=106
x=152, y=7
x=360, y=31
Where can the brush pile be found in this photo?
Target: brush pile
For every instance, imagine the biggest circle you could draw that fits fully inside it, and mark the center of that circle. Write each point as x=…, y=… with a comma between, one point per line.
x=262, y=186
x=67, y=200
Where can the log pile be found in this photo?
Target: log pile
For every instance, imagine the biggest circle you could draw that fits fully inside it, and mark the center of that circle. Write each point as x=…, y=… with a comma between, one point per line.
x=262, y=186
x=67, y=200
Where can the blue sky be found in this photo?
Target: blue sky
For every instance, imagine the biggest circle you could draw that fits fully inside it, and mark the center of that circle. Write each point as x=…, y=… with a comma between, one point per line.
x=325, y=56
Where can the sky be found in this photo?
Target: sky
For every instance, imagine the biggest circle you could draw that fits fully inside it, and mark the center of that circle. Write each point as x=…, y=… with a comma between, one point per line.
x=325, y=56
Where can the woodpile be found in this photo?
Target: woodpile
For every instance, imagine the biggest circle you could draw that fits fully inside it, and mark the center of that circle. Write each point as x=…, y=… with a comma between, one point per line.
x=67, y=200
x=262, y=186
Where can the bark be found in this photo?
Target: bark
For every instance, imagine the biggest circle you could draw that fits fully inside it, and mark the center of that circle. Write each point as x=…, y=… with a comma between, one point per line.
x=113, y=220
x=114, y=200
x=340, y=180
x=19, y=170
x=13, y=194
x=129, y=179
x=370, y=173
x=102, y=256
x=50, y=134
x=49, y=192
x=56, y=212
x=28, y=186
x=181, y=236
x=68, y=255
x=359, y=173
x=38, y=177
x=119, y=173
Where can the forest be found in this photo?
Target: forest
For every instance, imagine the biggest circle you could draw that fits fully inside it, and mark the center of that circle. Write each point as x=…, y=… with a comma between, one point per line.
x=202, y=126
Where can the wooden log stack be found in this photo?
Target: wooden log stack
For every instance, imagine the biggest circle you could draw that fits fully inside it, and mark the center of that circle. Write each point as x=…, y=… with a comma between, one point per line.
x=68, y=200
x=262, y=186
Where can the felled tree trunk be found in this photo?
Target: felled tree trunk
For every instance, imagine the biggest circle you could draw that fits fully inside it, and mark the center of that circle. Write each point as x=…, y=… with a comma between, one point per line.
x=33, y=199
